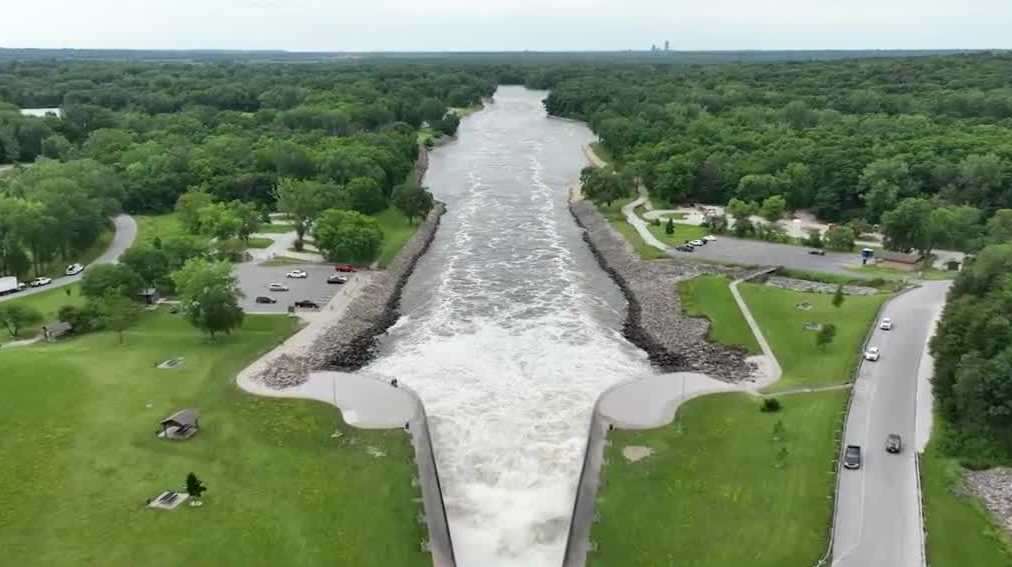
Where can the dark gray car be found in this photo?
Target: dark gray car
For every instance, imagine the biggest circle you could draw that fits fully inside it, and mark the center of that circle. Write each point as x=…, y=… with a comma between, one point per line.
x=852, y=457
x=894, y=443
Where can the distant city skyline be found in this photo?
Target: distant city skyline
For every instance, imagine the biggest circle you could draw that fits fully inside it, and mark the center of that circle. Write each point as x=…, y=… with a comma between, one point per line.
x=516, y=25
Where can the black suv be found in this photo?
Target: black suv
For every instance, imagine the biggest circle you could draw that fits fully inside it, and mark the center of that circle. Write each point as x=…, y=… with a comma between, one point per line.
x=307, y=304
x=265, y=299
x=894, y=443
x=852, y=457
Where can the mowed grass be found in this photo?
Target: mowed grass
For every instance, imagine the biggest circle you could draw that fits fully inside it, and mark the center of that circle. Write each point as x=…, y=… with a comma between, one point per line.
x=396, y=232
x=710, y=297
x=682, y=233
x=259, y=242
x=718, y=491
x=614, y=216
x=961, y=531
x=783, y=325
x=150, y=227
x=48, y=303
x=80, y=458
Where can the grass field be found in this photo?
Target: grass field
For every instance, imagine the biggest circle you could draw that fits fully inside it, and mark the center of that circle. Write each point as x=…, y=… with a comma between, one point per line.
x=48, y=303
x=617, y=220
x=960, y=530
x=683, y=232
x=161, y=226
x=710, y=297
x=718, y=491
x=782, y=324
x=259, y=242
x=890, y=274
x=81, y=458
x=396, y=232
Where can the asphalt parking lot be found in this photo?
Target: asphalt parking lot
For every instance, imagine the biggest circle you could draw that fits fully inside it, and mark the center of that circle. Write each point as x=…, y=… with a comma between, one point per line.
x=759, y=253
x=254, y=281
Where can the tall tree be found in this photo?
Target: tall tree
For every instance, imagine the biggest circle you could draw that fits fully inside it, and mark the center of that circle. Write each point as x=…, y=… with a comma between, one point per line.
x=209, y=293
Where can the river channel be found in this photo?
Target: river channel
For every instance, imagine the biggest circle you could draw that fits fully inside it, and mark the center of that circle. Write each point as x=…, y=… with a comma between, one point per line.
x=510, y=331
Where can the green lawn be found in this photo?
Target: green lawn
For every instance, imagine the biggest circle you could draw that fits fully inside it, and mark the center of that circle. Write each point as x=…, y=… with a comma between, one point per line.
x=81, y=458
x=162, y=226
x=396, y=232
x=48, y=303
x=716, y=491
x=259, y=242
x=960, y=530
x=783, y=323
x=617, y=220
x=891, y=274
x=683, y=232
x=276, y=228
x=710, y=297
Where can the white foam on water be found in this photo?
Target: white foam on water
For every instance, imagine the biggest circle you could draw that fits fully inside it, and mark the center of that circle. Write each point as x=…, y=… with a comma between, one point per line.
x=505, y=345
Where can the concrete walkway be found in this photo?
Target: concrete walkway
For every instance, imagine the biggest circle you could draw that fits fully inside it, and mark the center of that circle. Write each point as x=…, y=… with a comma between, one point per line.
x=282, y=246
x=772, y=365
x=640, y=225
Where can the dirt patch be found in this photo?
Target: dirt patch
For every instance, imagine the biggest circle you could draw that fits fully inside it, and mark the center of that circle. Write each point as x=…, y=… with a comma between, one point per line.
x=636, y=453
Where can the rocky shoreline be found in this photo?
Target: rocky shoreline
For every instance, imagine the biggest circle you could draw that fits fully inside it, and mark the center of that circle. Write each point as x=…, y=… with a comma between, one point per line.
x=351, y=341
x=994, y=488
x=655, y=321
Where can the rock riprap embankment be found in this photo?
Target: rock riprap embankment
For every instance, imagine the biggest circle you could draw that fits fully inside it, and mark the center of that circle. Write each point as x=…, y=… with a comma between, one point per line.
x=994, y=487
x=351, y=342
x=655, y=321
x=807, y=286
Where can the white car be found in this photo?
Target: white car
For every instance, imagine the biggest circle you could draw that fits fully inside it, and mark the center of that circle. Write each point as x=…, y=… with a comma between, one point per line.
x=297, y=274
x=74, y=269
x=698, y=243
x=709, y=238
x=872, y=354
x=277, y=287
x=886, y=324
x=39, y=282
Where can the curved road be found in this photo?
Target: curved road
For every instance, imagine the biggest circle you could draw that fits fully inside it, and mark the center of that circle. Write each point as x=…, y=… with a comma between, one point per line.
x=878, y=512
x=126, y=233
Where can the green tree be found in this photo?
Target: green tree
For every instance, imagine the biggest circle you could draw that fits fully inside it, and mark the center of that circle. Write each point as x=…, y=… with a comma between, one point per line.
x=347, y=236
x=118, y=313
x=195, y=488
x=838, y=296
x=840, y=238
x=669, y=228
x=148, y=262
x=111, y=278
x=365, y=195
x=188, y=207
x=413, y=200
x=210, y=295
x=908, y=225
x=249, y=218
x=605, y=185
x=773, y=208
x=759, y=187
x=825, y=336
x=302, y=201
x=16, y=317
x=220, y=221
x=56, y=147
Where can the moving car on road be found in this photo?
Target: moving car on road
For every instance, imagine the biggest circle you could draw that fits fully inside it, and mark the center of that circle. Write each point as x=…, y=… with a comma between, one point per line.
x=709, y=238
x=685, y=248
x=817, y=252
x=852, y=457
x=307, y=304
x=74, y=269
x=10, y=284
x=265, y=299
x=345, y=268
x=297, y=275
x=277, y=287
x=39, y=282
x=894, y=443
x=336, y=279
x=872, y=354
x=698, y=243
x=886, y=324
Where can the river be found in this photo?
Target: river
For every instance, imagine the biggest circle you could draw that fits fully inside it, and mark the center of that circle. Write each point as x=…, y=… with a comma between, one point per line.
x=510, y=332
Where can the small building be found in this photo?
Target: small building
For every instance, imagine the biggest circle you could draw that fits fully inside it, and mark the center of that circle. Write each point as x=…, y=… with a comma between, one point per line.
x=56, y=330
x=181, y=425
x=900, y=260
x=149, y=296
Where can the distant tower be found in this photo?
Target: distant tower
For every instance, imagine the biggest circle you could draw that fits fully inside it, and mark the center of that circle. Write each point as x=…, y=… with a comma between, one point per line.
x=653, y=47
x=667, y=45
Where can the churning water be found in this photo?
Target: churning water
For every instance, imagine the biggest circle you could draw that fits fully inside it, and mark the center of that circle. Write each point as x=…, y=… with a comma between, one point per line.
x=510, y=333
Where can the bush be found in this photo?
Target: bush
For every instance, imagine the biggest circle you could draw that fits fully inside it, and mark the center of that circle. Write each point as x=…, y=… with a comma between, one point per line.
x=770, y=405
x=83, y=319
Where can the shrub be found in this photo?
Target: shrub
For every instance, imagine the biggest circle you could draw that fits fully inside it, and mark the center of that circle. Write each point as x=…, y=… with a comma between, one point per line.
x=770, y=405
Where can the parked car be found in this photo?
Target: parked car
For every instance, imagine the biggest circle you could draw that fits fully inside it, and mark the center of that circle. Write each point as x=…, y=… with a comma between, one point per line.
x=685, y=248
x=709, y=238
x=872, y=354
x=852, y=457
x=886, y=324
x=74, y=269
x=277, y=287
x=345, y=268
x=698, y=243
x=894, y=443
x=307, y=304
x=336, y=279
x=39, y=282
x=297, y=274
x=265, y=299
x=817, y=252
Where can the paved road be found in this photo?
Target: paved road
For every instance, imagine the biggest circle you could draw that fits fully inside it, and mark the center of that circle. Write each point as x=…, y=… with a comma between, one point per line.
x=126, y=233
x=878, y=515
x=759, y=253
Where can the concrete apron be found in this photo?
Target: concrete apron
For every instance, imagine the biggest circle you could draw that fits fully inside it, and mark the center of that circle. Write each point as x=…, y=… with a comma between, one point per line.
x=367, y=403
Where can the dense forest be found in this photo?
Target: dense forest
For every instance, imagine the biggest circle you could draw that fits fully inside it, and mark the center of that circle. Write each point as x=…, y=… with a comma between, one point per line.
x=850, y=140
x=136, y=136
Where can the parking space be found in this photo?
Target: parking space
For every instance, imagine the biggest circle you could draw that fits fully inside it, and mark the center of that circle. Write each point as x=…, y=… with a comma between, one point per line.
x=254, y=280
x=759, y=253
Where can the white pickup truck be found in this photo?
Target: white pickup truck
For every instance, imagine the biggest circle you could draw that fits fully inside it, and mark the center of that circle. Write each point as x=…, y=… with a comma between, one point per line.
x=10, y=284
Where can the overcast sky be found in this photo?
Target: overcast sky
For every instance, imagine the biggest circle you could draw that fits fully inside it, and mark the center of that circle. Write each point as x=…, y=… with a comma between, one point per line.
x=505, y=25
